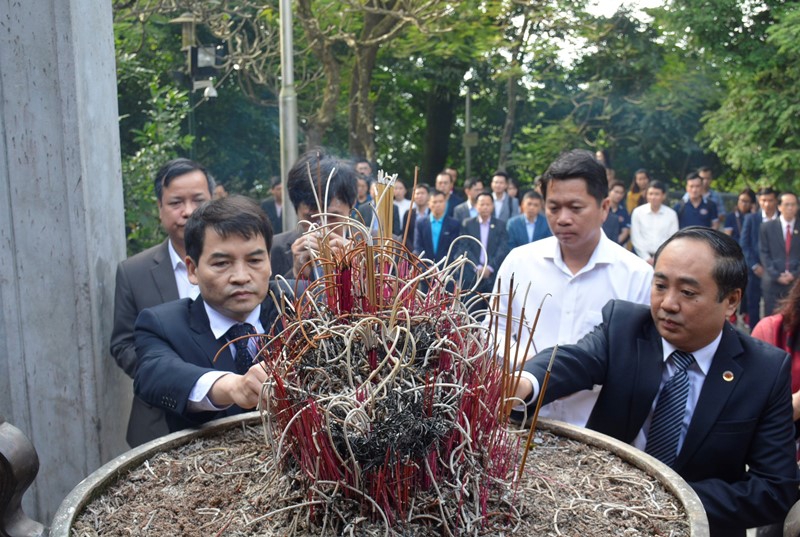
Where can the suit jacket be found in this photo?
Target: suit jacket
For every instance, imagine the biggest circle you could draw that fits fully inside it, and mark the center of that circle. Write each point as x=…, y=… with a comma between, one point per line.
x=496, y=250
x=453, y=201
x=509, y=208
x=772, y=249
x=461, y=212
x=268, y=206
x=280, y=256
x=517, y=229
x=143, y=281
x=744, y=420
x=751, y=229
x=176, y=347
x=423, y=239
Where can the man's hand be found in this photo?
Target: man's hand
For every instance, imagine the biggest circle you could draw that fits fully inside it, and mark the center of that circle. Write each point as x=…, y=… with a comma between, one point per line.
x=796, y=405
x=524, y=389
x=758, y=270
x=303, y=248
x=240, y=390
x=785, y=278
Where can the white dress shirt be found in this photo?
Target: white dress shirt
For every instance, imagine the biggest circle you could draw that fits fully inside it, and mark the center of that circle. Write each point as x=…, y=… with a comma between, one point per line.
x=650, y=229
x=575, y=305
x=186, y=289
x=220, y=324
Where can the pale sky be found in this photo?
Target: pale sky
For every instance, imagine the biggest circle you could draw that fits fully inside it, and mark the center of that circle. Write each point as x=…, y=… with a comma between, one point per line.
x=609, y=7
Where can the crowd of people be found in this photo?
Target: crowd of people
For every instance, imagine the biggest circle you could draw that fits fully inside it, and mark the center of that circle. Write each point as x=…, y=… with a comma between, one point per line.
x=640, y=298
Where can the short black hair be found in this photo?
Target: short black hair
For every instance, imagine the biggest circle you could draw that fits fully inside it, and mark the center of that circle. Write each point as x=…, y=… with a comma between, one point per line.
x=433, y=193
x=469, y=183
x=578, y=164
x=747, y=191
x=704, y=169
x=426, y=186
x=233, y=215
x=767, y=191
x=786, y=193
x=659, y=185
x=308, y=180
x=616, y=184
x=730, y=269
x=501, y=173
x=691, y=176
x=531, y=194
x=484, y=193
x=175, y=168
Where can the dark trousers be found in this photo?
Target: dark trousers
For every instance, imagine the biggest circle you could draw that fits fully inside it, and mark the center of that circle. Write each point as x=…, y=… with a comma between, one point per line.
x=753, y=294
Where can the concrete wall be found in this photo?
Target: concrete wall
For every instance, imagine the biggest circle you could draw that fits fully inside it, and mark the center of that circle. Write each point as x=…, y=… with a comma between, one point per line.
x=61, y=235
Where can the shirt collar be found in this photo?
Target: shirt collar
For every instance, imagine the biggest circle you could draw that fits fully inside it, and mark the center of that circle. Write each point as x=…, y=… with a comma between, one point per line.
x=482, y=222
x=439, y=221
x=174, y=258
x=703, y=356
x=784, y=223
x=604, y=254
x=220, y=324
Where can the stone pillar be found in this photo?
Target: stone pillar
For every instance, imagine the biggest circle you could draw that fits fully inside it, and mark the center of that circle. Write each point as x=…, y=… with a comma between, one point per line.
x=61, y=235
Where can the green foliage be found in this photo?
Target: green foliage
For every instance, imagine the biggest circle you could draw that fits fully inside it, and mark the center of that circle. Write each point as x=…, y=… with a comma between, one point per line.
x=755, y=130
x=159, y=140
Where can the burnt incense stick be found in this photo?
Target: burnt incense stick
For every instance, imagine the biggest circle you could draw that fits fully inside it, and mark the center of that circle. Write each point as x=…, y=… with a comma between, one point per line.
x=539, y=400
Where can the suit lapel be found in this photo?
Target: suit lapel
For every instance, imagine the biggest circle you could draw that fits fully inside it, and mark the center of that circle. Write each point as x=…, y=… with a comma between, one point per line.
x=714, y=395
x=163, y=274
x=207, y=345
x=649, y=368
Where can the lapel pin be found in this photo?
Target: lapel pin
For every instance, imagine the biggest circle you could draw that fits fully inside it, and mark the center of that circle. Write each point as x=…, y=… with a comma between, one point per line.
x=727, y=376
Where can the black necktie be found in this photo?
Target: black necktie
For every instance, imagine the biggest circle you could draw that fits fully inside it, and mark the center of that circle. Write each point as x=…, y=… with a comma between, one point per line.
x=244, y=359
x=665, y=429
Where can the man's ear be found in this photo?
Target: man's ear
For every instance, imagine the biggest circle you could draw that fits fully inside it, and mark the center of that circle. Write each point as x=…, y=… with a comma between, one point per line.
x=191, y=269
x=732, y=301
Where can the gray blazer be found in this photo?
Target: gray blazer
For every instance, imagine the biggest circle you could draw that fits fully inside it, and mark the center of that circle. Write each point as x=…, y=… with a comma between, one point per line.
x=143, y=281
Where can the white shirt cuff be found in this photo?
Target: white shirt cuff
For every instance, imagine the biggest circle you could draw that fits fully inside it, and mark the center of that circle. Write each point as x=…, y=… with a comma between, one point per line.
x=198, y=397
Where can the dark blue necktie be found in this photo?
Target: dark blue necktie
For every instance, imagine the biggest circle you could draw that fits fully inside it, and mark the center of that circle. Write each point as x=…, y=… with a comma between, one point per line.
x=244, y=358
x=665, y=429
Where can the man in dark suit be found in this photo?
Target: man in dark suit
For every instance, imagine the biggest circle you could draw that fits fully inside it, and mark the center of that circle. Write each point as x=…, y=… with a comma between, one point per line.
x=529, y=226
x=273, y=205
x=505, y=207
x=472, y=187
x=490, y=233
x=155, y=276
x=779, y=250
x=445, y=183
x=436, y=232
x=682, y=384
x=768, y=201
x=183, y=365
x=291, y=250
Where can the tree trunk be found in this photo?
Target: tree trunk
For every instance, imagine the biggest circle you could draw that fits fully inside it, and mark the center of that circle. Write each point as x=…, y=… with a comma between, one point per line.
x=362, y=109
x=439, y=116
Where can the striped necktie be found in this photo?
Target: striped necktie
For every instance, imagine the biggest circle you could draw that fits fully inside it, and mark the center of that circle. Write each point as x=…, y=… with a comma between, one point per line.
x=665, y=429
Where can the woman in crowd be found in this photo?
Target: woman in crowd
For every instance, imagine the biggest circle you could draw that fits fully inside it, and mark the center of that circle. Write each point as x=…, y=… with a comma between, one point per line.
x=637, y=194
x=783, y=331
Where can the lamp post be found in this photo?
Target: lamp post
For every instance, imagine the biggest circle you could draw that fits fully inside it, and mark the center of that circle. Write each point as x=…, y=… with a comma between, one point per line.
x=287, y=106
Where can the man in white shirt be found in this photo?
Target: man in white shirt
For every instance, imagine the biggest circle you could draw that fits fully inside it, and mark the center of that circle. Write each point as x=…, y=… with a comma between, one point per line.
x=652, y=223
x=779, y=250
x=505, y=207
x=155, y=276
x=579, y=267
x=183, y=365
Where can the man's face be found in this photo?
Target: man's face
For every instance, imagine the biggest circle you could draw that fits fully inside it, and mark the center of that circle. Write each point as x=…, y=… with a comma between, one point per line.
x=788, y=206
x=616, y=194
x=363, y=188
x=179, y=199
x=473, y=191
x=364, y=169
x=421, y=196
x=499, y=184
x=744, y=204
x=574, y=216
x=232, y=273
x=768, y=203
x=694, y=187
x=444, y=183
x=683, y=298
x=338, y=212
x=277, y=193
x=437, y=205
x=655, y=197
x=706, y=177
x=531, y=207
x=485, y=206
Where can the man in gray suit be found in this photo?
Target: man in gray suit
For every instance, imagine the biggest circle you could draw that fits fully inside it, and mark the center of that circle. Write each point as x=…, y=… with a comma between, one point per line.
x=779, y=250
x=504, y=205
x=155, y=276
x=472, y=187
